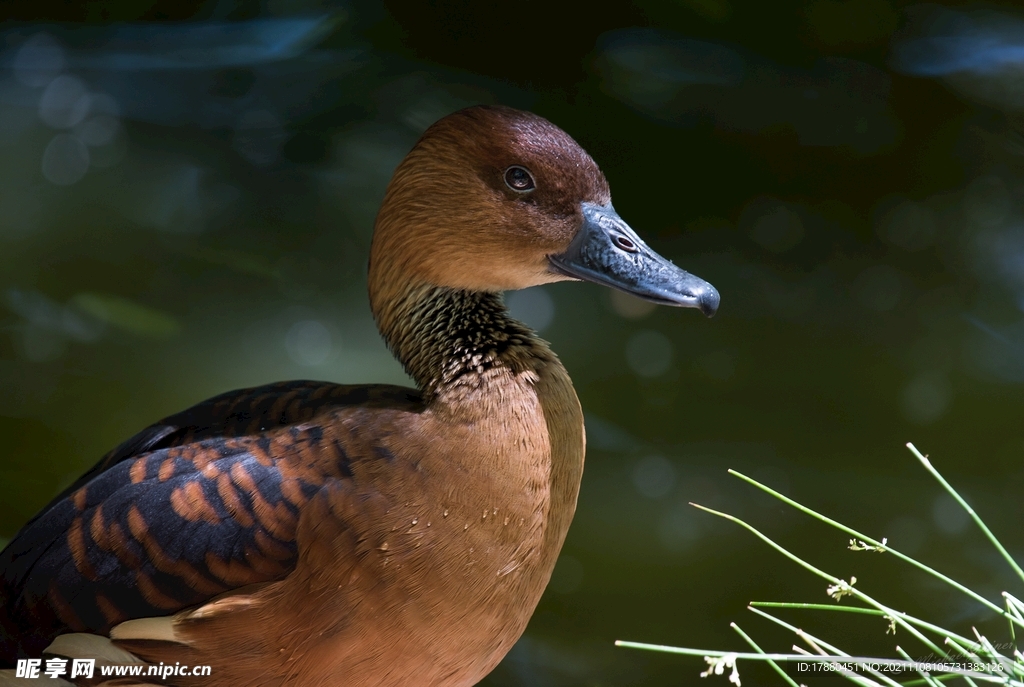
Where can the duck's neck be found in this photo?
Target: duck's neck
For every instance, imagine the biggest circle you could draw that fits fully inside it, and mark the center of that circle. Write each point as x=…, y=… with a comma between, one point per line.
x=459, y=345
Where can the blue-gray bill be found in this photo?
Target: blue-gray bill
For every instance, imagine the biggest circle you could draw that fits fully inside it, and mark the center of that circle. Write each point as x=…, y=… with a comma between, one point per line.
x=606, y=251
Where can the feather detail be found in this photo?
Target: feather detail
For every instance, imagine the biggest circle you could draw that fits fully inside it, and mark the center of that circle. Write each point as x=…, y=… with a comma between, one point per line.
x=157, y=629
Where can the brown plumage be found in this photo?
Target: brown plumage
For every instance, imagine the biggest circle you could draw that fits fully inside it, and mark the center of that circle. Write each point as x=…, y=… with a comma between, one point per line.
x=308, y=533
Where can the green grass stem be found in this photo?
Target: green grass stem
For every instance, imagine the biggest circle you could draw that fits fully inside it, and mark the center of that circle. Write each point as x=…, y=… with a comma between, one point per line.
x=970, y=511
x=774, y=664
x=997, y=667
x=874, y=542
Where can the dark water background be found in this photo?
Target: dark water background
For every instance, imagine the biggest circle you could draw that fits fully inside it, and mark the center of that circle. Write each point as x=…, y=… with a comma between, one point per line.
x=187, y=191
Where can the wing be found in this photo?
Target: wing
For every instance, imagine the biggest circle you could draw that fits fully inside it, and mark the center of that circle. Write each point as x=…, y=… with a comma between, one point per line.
x=200, y=503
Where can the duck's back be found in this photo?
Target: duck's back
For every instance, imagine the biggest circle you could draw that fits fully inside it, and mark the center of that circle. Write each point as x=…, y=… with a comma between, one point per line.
x=423, y=568
x=202, y=502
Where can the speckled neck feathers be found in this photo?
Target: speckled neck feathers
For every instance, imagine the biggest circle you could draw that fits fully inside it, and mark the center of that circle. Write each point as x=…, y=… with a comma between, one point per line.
x=455, y=343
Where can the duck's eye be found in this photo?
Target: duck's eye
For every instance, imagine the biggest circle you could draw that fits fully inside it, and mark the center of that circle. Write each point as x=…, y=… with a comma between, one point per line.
x=624, y=243
x=519, y=179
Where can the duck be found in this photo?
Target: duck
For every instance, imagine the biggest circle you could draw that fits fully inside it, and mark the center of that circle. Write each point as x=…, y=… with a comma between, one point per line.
x=312, y=533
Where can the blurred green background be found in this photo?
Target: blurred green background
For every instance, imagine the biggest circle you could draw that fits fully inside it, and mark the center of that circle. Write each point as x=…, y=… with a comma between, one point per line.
x=187, y=192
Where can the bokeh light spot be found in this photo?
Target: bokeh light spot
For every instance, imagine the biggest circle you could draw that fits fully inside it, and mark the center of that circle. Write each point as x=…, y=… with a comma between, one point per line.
x=678, y=529
x=927, y=397
x=987, y=202
x=654, y=476
x=65, y=160
x=649, y=353
x=65, y=102
x=39, y=60
x=778, y=230
x=309, y=343
x=630, y=307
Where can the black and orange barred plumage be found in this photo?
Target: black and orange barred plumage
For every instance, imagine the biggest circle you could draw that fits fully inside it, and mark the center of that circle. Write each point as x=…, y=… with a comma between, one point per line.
x=202, y=502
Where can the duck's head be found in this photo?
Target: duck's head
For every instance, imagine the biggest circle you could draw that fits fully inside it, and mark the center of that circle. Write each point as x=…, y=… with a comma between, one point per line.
x=493, y=199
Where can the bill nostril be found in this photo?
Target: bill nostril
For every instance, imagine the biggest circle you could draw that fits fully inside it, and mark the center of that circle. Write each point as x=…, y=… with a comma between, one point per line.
x=624, y=243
